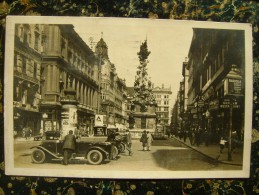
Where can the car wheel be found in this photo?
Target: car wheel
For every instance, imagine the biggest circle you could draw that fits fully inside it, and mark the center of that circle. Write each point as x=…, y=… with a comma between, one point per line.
x=114, y=152
x=94, y=157
x=38, y=156
x=122, y=147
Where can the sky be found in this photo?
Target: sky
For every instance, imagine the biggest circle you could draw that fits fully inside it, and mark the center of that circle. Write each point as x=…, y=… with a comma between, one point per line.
x=168, y=41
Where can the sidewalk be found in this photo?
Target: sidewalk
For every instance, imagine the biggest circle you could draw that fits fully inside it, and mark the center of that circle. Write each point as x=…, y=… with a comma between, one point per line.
x=212, y=151
x=23, y=139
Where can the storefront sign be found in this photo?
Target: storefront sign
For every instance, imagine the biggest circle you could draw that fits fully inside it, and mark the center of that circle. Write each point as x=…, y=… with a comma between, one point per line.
x=48, y=125
x=100, y=120
x=234, y=86
x=226, y=103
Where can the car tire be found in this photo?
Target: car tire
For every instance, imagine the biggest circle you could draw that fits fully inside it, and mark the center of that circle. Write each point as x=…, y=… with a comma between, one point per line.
x=122, y=147
x=38, y=156
x=114, y=152
x=94, y=157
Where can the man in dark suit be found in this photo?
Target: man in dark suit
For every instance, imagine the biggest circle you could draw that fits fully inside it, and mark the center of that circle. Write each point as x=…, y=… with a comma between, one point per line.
x=69, y=146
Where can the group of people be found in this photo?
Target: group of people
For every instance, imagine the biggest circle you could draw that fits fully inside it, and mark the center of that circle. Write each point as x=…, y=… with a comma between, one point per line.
x=197, y=136
x=26, y=132
x=146, y=139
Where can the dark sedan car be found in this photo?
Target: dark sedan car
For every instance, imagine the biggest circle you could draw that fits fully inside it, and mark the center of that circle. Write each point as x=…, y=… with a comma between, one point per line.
x=94, y=152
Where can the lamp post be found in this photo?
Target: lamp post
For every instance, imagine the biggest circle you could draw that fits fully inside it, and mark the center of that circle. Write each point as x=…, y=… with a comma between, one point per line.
x=230, y=131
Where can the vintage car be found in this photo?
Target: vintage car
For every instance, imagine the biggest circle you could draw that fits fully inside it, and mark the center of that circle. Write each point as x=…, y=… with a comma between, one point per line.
x=94, y=152
x=159, y=136
x=48, y=135
x=111, y=135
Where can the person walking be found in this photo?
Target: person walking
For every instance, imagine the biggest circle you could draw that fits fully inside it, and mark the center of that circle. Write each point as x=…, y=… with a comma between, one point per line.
x=222, y=143
x=143, y=139
x=129, y=142
x=69, y=147
x=149, y=141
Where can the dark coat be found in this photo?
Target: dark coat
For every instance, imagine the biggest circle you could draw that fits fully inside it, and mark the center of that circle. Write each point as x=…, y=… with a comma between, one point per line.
x=70, y=142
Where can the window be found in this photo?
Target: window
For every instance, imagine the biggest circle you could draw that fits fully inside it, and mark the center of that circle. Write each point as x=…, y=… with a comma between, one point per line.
x=24, y=97
x=29, y=37
x=24, y=65
x=36, y=41
x=15, y=62
x=21, y=32
x=103, y=97
x=35, y=70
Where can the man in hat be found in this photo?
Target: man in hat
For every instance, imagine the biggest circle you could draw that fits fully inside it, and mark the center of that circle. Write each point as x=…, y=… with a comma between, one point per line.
x=69, y=146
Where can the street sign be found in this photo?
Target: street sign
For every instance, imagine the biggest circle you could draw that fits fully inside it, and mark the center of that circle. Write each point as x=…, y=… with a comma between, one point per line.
x=226, y=103
x=234, y=86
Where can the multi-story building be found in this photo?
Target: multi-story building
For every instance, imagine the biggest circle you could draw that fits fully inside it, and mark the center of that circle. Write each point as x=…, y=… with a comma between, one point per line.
x=163, y=99
x=48, y=60
x=216, y=86
x=183, y=98
x=27, y=77
x=113, y=91
x=175, y=116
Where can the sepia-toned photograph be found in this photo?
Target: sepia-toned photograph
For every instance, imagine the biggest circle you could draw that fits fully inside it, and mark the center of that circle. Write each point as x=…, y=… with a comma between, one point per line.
x=127, y=98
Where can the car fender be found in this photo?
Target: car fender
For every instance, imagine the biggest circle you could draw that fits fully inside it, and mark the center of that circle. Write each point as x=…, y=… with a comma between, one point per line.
x=100, y=149
x=46, y=151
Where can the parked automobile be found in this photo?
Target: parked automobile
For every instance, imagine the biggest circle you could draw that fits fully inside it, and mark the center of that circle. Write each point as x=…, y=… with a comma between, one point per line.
x=159, y=136
x=109, y=135
x=38, y=137
x=118, y=139
x=47, y=135
x=94, y=152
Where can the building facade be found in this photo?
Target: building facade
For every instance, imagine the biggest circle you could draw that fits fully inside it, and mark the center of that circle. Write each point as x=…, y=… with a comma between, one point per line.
x=163, y=99
x=27, y=77
x=113, y=91
x=216, y=82
x=48, y=60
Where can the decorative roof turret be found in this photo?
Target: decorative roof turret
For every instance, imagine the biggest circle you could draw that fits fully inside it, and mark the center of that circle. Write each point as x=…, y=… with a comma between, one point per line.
x=101, y=49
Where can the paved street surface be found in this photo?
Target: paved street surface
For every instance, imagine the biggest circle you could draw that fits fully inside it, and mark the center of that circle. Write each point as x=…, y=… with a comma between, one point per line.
x=166, y=155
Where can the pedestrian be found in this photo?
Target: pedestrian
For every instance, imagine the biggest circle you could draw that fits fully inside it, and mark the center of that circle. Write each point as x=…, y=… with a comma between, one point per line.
x=129, y=142
x=222, y=143
x=206, y=137
x=143, y=139
x=149, y=141
x=69, y=146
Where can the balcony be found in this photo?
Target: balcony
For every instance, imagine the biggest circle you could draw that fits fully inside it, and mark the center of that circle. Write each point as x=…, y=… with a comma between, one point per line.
x=25, y=77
